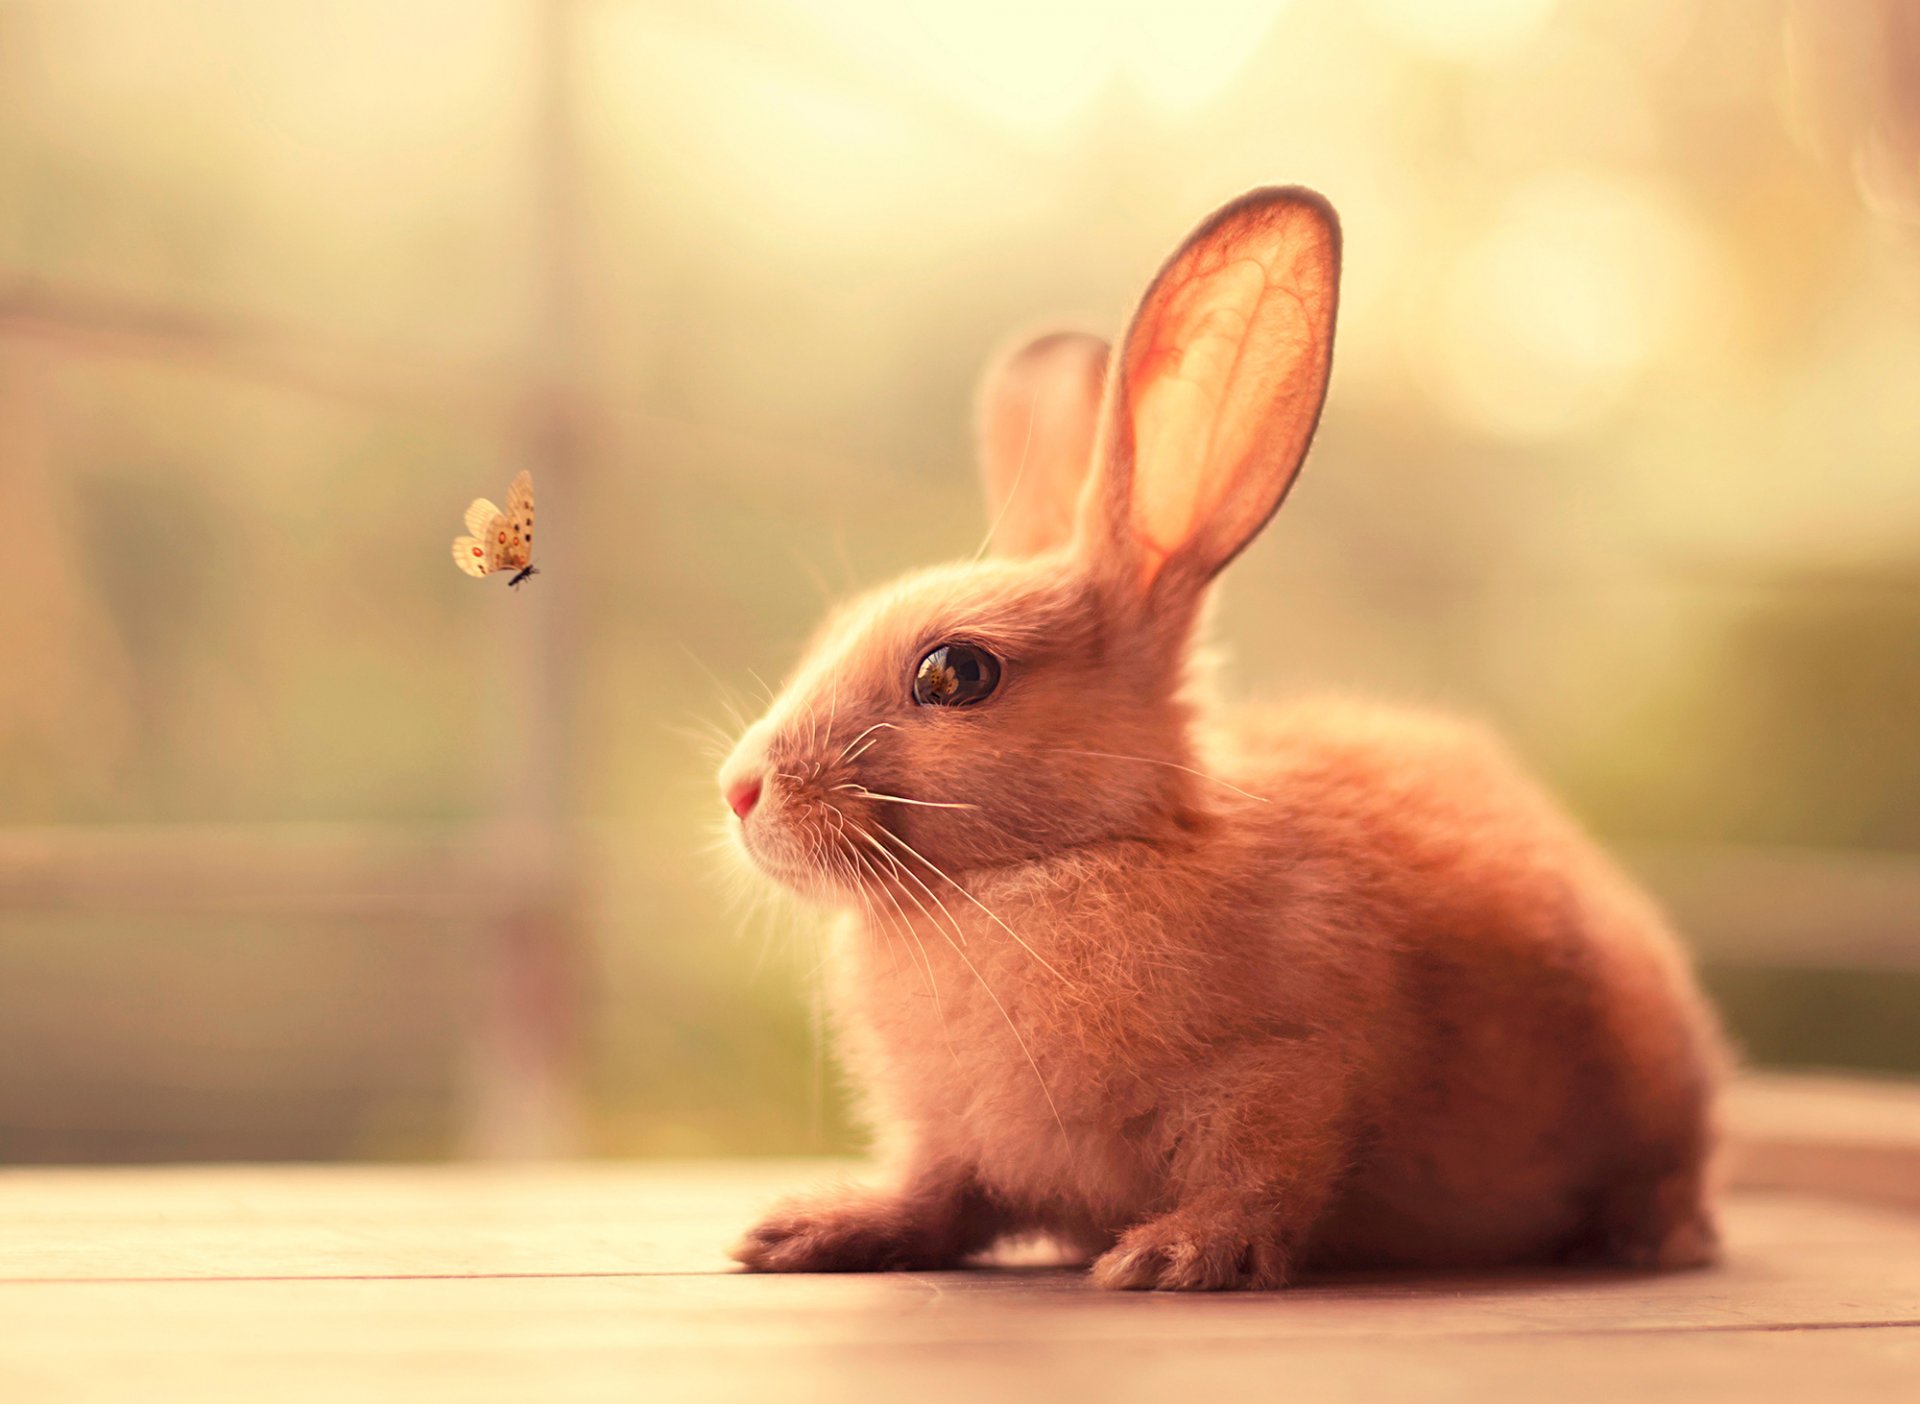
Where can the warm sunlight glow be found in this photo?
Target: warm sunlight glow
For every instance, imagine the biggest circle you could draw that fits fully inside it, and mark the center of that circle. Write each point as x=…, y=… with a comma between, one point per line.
x=1030, y=64
x=1475, y=31
x=1580, y=284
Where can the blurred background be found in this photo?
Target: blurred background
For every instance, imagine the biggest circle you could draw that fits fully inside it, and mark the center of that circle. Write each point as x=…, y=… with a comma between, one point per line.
x=312, y=847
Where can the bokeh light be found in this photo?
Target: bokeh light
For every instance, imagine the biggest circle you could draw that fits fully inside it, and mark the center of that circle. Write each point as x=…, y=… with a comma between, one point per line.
x=1578, y=288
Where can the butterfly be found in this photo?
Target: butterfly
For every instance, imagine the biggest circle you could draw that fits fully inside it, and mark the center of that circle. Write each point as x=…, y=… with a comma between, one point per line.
x=500, y=540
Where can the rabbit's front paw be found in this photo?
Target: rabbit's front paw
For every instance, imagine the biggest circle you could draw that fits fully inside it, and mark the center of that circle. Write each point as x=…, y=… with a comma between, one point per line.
x=832, y=1234
x=1185, y=1253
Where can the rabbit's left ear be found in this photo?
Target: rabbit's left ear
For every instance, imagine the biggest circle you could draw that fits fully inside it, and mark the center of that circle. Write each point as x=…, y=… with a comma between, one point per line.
x=1039, y=407
x=1218, y=390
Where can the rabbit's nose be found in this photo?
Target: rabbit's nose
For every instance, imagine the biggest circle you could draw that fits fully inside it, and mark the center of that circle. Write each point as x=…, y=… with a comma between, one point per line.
x=743, y=795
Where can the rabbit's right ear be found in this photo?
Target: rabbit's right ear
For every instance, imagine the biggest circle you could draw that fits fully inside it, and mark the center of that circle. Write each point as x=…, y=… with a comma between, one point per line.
x=1216, y=395
x=1039, y=408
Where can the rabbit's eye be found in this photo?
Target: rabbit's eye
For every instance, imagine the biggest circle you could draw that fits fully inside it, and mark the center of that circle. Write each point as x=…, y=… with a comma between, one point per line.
x=955, y=675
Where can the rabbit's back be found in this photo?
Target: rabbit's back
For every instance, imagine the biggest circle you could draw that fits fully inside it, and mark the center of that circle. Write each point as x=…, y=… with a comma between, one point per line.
x=1540, y=1065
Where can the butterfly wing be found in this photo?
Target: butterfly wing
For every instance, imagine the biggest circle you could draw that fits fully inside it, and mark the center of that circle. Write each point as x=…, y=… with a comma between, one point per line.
x=497, y=537
x=470, y=554
x=520, y=517
x=479, y=516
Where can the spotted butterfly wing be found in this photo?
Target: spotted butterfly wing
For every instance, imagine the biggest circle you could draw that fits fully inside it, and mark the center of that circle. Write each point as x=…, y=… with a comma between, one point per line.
x=520, y=511
x=520, y=525
x=474, y=553
x=470, y=555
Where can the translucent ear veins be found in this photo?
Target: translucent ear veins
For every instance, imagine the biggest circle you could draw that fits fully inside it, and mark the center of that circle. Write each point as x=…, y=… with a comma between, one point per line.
x=1039, y=410
x=1223, y=376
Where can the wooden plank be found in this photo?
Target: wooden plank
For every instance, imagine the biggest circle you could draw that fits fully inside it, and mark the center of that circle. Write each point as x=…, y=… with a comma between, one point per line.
x=255, y=1222
x=255, y=1226
x=600, y=1346
x=563, y=1283
x=526, y=1361
x=606, y=1281
x=1841, y=1137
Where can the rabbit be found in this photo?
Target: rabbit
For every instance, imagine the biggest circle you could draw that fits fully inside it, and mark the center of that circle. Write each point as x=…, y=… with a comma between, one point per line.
x=1206, y=998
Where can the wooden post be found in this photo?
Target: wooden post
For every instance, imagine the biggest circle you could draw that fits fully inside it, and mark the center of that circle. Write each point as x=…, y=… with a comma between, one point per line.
x=523, y=1094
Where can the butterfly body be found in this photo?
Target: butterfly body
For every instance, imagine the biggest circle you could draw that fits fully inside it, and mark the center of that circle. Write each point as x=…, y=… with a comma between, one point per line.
x=499, y=540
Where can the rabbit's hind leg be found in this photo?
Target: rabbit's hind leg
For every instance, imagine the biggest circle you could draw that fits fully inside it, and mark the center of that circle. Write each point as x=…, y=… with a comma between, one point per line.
x=1659, y=1221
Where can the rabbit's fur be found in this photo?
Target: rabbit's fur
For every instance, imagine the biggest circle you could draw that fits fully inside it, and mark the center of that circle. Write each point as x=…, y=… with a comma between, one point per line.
x=1210, y=998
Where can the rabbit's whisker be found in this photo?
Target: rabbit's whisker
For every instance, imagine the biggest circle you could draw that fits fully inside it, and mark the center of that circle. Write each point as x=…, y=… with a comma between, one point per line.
x=926, y=964
x=861, y=879
x=897, y=922
x=702, y=728
x=862, y=865
x=848, y=862
x=932, y=985
x=813, y=725
x=762, y=913
x=1045, y=964
x=713, y=743
x=1032, y=1062
x=858, y=879
x=826, y=740
x=901, y=870
x=1012, y=1028
x=725, y=692
x=813, y=572
x=865, y=793
x=863, y=735
x=1171, y=765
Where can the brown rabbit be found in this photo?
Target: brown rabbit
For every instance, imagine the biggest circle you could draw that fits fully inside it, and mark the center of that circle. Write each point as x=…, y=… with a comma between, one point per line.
x=1213, y=998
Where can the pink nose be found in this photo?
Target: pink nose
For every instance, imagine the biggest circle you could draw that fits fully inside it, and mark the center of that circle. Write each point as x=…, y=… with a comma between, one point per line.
x=743, y=796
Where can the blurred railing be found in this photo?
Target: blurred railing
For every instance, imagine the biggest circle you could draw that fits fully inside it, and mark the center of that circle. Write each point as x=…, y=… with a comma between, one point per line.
x=1791, y=907
x=77, y=321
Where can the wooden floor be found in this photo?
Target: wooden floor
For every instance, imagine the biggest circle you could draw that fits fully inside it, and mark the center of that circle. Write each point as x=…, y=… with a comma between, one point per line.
x=591, y=1283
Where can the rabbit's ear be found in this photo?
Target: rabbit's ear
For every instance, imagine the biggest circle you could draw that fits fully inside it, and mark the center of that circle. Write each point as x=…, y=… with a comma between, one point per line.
x=1219, y=388
x=1039, y=408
